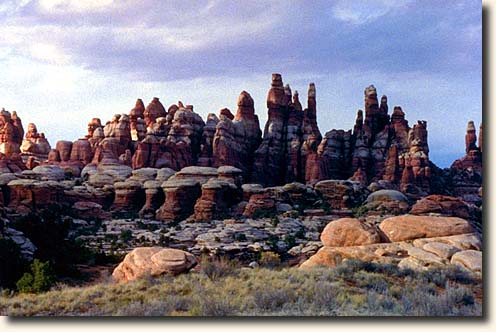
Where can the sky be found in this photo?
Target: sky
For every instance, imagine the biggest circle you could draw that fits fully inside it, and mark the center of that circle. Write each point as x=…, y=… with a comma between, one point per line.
x=63, y=62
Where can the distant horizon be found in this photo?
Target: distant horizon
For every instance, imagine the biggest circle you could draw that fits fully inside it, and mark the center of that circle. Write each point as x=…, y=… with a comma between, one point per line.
x=65, y=61
x=442, y=162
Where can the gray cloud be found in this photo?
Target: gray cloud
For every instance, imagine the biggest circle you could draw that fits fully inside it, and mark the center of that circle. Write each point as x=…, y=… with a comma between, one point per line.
x=424, y=53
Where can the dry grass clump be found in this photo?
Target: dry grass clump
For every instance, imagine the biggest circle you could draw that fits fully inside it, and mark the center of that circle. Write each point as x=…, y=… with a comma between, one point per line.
x=354, y=288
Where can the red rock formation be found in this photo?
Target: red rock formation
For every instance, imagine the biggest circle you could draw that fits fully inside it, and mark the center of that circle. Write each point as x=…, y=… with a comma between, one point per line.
x=473, y=158
x=334, y=155
x=64, y=149
x=270, y=157
x=85, y=210
x=33, y=195
x=236, y=139
x=180, y=199
x=153, y=111
x=184, y=138
x=445, y=205
x=467, y=171
x=9, y=140
x=310, y=155
x=138, y=129
x=206, y=151
x=217, y=197
x=360, y=176
x=147, y=152
x=35, y=143
x=470, y=138
x=154, y=199
x=293, y=142
x=416, y=160
x=18, y=133
x=375, y=117
x=311, y=138
x=260, y=204
x=138, y=112
x=53, y=157
x=227, y=113
x=400, y=128
x=81, y=151
x=129, y=196
x=339, y=194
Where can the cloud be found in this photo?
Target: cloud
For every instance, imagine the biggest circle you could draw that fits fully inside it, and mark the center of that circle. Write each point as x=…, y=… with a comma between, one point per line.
x=75, y=59
x=363, y=12
x=49, y=53
x=74, y=5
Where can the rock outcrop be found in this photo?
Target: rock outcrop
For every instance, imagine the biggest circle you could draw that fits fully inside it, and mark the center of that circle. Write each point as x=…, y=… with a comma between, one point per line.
x=445, y=205
x=348, y=232
x=341, y=194
x=291, y=136
x=467, y=171
x=409, y=227
x=153, y=261
x=437, y=242
x=236, y=139
x=11, y=133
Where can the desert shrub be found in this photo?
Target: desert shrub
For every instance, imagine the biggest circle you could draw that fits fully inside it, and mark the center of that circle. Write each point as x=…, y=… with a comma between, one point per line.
x=360, y=211
x=39, y=280
x=269, y=298
x=217, y=267
x=25, y=284
x=146, y=309
x=126, y=235
x=272, y=242
x=216, y=305
x=290, y=291
x=370, y=281
x=12, y=264
x=270, y=259
x=456, y=274
x=290, y=240
x=300, y=234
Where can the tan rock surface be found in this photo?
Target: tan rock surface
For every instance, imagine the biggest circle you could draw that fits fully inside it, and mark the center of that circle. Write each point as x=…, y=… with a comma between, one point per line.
x=153, y=261
x=409, y=227
x=347, y=232
x=469, y=259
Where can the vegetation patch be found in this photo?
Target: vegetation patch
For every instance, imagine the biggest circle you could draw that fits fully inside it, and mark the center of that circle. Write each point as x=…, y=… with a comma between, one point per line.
x=220, y=289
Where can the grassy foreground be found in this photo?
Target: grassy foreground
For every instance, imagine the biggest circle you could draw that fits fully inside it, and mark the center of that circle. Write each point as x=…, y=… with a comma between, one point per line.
x=352, y=289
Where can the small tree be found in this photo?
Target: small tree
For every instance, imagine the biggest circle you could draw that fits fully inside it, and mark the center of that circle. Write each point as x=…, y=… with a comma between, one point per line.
x=39, y=280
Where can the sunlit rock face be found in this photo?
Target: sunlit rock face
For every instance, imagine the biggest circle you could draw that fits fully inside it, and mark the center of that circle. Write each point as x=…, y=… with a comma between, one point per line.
x=291, y=136
x=381, y=150
x=11, y=133
x=237, y=137
x=467, y=171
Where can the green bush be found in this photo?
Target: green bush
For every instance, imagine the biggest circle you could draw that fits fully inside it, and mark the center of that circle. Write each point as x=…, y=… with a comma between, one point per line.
x=360, y=211
x=126, y=235
x=25, y=284
x=39, y=280
x=290, y=240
